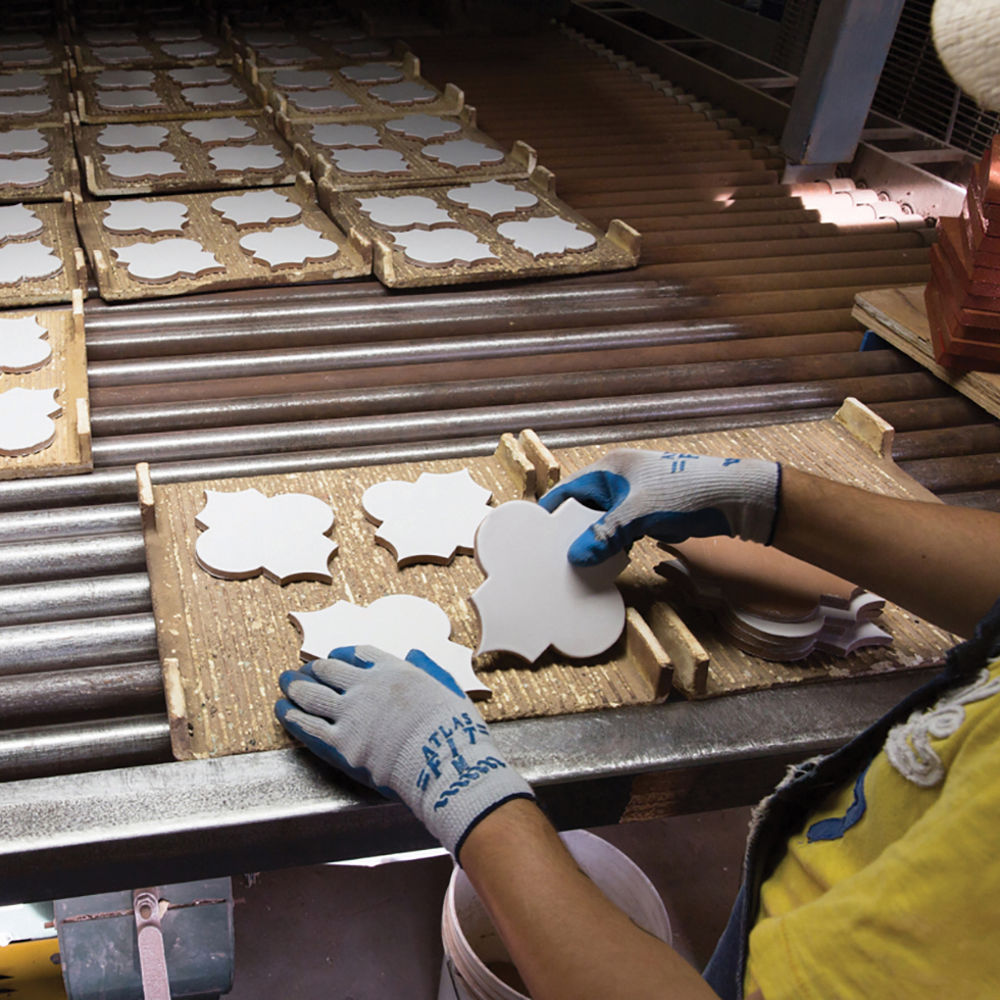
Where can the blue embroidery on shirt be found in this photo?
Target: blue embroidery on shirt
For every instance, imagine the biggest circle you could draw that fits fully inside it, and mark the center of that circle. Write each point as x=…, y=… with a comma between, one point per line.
x=835, y=827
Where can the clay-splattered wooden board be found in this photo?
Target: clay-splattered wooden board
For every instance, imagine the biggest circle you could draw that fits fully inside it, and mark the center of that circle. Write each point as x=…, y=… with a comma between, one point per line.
x=419, y=166
x=220, y=238
x=66, y=371
x=56, y=164
x=197, y=169
x=223, y=643
x=612, y=251
x=172, y=101
x=145, y=52
x=59, y=235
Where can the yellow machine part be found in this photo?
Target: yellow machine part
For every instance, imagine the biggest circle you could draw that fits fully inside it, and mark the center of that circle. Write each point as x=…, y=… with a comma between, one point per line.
x=29, y=970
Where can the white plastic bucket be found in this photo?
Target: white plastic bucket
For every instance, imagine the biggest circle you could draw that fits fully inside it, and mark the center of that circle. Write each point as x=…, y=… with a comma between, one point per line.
x=473, y=949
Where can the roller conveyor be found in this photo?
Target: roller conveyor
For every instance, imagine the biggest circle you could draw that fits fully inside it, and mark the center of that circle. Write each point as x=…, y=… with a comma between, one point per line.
x=738, y=315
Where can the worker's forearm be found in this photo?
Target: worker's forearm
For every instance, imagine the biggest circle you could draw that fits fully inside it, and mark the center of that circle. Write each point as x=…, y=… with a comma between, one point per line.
x=938, y=561
x=566, y=939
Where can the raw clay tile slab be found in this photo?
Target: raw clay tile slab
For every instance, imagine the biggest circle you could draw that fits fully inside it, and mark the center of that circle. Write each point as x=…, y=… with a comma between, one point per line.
x=214, y=153
x=24, y=344
x=199, y=76
x=363, y=48
x=24, y=173
x=20, y=39
x=550, y=235
x=154, y=218
x=430, y=520
x=147, y=52
x=132, y=166
x=36, y=164
x=533, y=596
x=289, y=246
x=23, y=102
x=206, y=97
x=45, y=56
x=132, y=137
x=256, y=208
x=333, y=135
x=190, y=51
x=494, y=199
x=18, y=222
x=40, y=269
x=443, y=247
x=463, y=153
x=26, y=423
x=408, y=92
x=32, y=261
x=396, y=623
x=23, y=142
x=124, y=79
x=129, y=100
x=420, y=126
x=23, y=82
x=288, y=55
x=176, y=33
x=404, y=211
x=117, y=55
x=328, y=99
x=303, y=79
x=371, y=73
x=247, y=533
x=167, y=260
x=370, y=161
x=25, y=106
x=217, y=245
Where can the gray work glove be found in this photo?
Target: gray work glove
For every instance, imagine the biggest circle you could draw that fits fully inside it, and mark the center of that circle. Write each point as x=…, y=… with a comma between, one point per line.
x=669, y=497
x=405, y=728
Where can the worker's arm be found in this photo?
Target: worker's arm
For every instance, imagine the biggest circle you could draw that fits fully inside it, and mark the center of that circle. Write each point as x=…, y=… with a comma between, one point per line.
x=940, y=562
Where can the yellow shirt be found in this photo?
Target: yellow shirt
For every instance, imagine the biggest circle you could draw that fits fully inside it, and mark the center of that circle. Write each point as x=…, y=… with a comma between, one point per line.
x=904, y=903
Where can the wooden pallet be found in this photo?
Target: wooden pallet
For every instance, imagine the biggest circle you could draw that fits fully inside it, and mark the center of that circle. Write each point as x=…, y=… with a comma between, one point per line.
x=899, y=316
x=67, y=372
x=223, y=643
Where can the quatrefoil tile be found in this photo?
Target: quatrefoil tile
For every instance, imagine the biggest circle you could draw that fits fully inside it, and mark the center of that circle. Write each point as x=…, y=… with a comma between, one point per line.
x=403, y=211
x=23, y=344
x=139, y=216
x=26, y=423
x=209, y=131
x=442, y=247
x=166, y=260
x=151, y=163
x=18, y=222
x=27, y=262
x=256, y=208
x=23, y=142
x=461, y=153
x=420, y=126
x=134, y=137
x=289, y=246
x=240, y=158
x=25, y=172
x=492, y=198
x=546, y=235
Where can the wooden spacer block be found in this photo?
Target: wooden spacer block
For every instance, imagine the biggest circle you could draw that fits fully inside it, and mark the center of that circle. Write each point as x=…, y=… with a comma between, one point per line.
x=623, y=235
x=411, y=63
x=866, y=426
x=525, y=155
x=648, y=655
x=544, y=179
x=546, y=465
x=77, y=301
x=517, y=464
x=173, y=691
x=147, y=502
x=83, y=431
x=688, y=656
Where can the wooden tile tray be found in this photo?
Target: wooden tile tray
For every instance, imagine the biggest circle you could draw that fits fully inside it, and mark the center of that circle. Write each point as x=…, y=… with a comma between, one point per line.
x=47, y=56
x=171, y=103
x=67, y=372
x=45, y=102
x=615, y=250
x=366, y=106
x=59, y=235
x=221, y=239
x=195, y=171
x=223, y=643
x=146, y=53
x=42, y=175
x=419, y=166
x=312, y=47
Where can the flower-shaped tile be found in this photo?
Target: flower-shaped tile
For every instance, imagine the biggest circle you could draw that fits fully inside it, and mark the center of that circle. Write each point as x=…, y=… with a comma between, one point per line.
x=373, y=72
x=256, y=208
x=209, y=131
x=429, y=520
x=23, y=344
x=396, y=623
x=129, y=100
x=26, y=423
x=118, y=54
x=27, y=262
x=492, y=198
x=303, y=79
x=135, y=137
x=404, y=211
x=240, y=158
x=22, y=142
x=25, y=105
x=199, y=48
x=540, y=236
x=18, y=222
x=334, y=135
x=138, y=216
x=421, y=126
x=124, y=79
x=289, y=246
x=533, y=596
x=208, y=97
x=286, y=55
x=130, y=166
x=408, y=92
x=23, y=82
x=461, y=153
x=25, y=57
x=26, y=173
x=199, y=76
x=166, y=260
x=370, y=161
x=363, y=48
x=247, y=533
x=328, y=99
x=442, y=247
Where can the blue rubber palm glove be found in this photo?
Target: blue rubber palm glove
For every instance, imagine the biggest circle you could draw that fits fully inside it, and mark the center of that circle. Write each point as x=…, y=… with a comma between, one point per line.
x=669, y=497
x=405, y=728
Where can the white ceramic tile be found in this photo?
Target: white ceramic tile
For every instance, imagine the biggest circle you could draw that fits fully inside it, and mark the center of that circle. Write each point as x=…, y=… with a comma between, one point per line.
x=166, y=260
x=334, y=135
x=136, y=215
x=303, y=79
x=463, y=153
x=240, y=158
x=256, y=207
x=22, y=142
x=421, y=126
x=111, y=36
x=403, y=211
x=208, y=97
x=112, y=54
x=27, y=262
x=408, y=92
x=23, y=344
x=25, y=105
x=363, y=48
x=25, y=57
x=134, y=137
x=289, y=246
x=285, y=55
x=129, y=166
x=27, y=173
x=373, y=72
x=329, y=99
x=23, y=82
x=18, y=222
x=370, y=161
x=492, y=198
x=215, y=130
x=129, y=100
x=546, y=235
x=176, y=33
x=25, y=420
x=199, y=76
x=199, y=48
x=124, y=79
x=441, y=247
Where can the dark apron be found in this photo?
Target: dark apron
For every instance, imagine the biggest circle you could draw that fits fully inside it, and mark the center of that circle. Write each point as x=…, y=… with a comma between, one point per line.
x=784, y=813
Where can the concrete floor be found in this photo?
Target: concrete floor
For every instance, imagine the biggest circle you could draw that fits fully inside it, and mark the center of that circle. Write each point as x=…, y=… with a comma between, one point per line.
x=350, y=933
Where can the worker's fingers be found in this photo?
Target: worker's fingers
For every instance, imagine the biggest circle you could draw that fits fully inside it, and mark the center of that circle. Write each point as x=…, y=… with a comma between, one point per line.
x=309, y=694
x=593, y=487
x=423, y=662
x=336, y=674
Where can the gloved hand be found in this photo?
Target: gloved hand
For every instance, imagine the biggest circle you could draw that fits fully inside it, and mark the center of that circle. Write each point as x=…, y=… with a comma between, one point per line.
x=405, y=728
x=669, y=497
